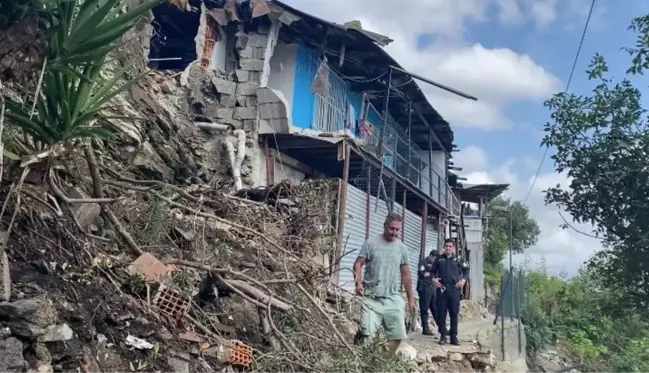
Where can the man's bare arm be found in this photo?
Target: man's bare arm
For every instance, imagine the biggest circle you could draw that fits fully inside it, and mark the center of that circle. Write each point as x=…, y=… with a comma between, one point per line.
x=358, y=270
x=407, y=281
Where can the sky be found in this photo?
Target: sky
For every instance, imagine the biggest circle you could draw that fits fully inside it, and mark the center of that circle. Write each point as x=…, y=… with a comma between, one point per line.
x=512, y=55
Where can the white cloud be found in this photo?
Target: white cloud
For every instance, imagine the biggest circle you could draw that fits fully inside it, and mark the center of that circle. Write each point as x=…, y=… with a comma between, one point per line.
x=498, y=76
x=561, y=249
x=470, y=159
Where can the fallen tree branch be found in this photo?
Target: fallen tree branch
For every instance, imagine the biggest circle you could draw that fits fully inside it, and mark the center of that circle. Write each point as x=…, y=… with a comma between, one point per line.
x=97, y=186
x=205, y=330
x=260, y=295
x=326, y=315
x=283, y=340
x=110, y=215
x=241, y=275
x=238, y=292
x=57, y=192
x=239, y=227
x=4, y=259
x=36, y=198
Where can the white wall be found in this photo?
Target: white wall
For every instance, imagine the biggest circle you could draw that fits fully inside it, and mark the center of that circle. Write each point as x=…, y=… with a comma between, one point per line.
x=439, y=162
x=219, y=55
x=282, y=71
x=282, y=170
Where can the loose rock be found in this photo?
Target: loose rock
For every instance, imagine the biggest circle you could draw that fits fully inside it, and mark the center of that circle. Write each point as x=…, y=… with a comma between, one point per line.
x=11, y=355
x=57, y=333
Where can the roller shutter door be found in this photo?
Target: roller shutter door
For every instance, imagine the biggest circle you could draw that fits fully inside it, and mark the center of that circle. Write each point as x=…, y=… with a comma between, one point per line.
x=353, y=236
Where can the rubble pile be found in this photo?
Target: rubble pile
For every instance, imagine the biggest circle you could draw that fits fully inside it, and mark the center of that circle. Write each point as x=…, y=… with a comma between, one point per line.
x=222, y=271
x=139, y=255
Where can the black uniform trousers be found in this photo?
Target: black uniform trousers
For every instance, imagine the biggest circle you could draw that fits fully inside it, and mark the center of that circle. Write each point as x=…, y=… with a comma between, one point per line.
x=448, y=302
x=427, y=301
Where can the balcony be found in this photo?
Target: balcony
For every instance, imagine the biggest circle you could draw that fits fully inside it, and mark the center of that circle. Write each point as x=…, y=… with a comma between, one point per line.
x=402, y=155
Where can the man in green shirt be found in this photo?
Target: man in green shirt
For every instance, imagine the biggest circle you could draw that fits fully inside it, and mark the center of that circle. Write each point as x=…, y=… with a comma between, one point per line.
x=385, y=259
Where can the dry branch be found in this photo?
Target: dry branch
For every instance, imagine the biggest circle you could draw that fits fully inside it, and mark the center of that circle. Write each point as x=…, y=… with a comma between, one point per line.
x=260, y=295
x=324, y=313
x=232, y=224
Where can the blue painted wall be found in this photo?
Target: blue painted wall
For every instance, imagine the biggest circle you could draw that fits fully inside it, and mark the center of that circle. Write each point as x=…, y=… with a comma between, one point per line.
x=306, y=66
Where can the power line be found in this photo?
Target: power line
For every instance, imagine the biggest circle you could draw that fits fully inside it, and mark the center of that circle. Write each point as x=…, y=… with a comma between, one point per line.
x=572, y=72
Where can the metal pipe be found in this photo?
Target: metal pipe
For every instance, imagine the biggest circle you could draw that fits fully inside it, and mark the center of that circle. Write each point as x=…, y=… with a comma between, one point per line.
x=424, y=219
x=393, y=194
x=430, y=169
x=269, y=182
x=403, y=216
x=502, y=319
x=438, y=85
x=342, y=213
x=386, y=103
x=214, y=126
x=409, y=139
x=368, y=200
x=165, y=59
x=511, y=265
x=518, y=309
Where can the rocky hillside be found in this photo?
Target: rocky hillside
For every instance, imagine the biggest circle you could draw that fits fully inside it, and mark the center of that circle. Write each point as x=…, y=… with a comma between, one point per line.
x=138, y=254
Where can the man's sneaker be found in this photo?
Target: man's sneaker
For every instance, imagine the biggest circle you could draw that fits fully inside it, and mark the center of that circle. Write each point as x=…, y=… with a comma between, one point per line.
x=454, y=341
x=442, y=340
x=427, y=332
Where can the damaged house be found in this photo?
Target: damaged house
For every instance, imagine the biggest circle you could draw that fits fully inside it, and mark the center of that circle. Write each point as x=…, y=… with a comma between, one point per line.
x=289, y=96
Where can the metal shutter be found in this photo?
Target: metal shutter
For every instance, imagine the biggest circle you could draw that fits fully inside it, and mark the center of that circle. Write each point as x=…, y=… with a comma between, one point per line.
x=431, y=240
x=412, y=240
x=353, y=236
x=377, y=216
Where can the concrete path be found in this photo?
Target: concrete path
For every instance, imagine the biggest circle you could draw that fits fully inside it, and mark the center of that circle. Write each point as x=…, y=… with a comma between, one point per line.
x=471, y=335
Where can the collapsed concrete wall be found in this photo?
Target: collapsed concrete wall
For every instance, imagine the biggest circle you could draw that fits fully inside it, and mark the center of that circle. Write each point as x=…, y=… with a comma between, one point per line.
x=217, y=91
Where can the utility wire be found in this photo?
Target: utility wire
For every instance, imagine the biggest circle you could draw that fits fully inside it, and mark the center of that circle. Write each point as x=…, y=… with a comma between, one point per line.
x=572, y=72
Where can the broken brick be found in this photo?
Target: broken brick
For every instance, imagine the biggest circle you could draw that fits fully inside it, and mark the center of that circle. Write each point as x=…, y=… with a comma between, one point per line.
x=150, y=267
x=171, y=304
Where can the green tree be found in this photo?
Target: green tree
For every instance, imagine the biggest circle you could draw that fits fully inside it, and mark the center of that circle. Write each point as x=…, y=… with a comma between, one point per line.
x=525, y=232
x=584, y=317
x=602, y=143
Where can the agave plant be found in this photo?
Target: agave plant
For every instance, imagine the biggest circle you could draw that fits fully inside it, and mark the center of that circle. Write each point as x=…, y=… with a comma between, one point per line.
x=80, y=35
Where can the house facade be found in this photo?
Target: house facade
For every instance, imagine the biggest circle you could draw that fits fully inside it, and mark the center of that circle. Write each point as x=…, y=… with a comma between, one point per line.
x=316, y=99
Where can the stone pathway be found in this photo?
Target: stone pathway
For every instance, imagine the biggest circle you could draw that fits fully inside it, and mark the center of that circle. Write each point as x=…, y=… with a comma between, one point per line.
x=474, y=349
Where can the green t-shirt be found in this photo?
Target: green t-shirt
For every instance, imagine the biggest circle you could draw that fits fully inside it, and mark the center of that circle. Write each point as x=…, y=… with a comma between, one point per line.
x=384, y=259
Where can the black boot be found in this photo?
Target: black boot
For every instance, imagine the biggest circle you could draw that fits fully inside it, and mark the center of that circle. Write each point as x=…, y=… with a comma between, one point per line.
x=442, y=340
x=454, y=340
x=427, y=332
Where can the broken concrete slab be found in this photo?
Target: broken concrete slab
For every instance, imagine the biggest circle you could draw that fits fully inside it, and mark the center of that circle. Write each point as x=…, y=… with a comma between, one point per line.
x=252, y=64
x=247, y=89
x=245, y=113
x=257, y=41
x=228, y=100
x=253, y=52
x=223, y=86
x=224, y=113
x=11, y=355
x=242, y=75
x=57, y=333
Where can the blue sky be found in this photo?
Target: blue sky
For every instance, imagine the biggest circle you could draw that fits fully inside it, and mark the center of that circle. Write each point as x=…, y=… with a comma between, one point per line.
x=553, y=48
x=512, y=55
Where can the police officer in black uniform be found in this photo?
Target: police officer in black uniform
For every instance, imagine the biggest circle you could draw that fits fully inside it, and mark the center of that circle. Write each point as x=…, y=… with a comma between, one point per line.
x=426, y=291
x=449, y=276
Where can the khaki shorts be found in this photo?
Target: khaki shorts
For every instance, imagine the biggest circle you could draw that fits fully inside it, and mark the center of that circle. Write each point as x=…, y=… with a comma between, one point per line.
x=388, y=312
